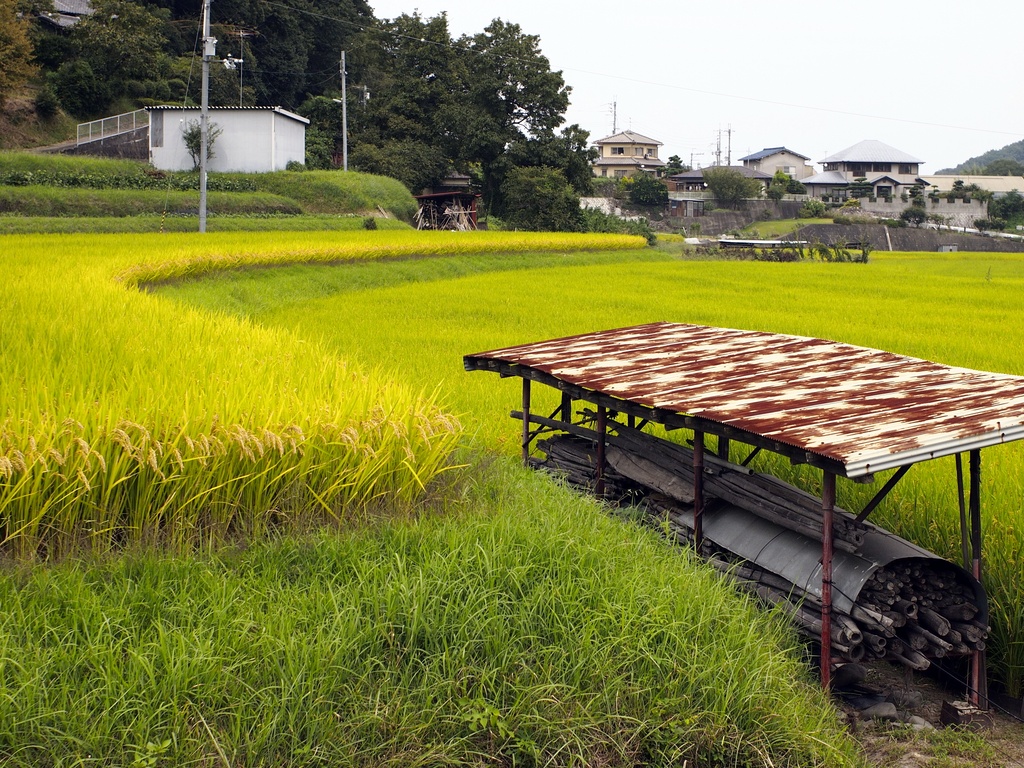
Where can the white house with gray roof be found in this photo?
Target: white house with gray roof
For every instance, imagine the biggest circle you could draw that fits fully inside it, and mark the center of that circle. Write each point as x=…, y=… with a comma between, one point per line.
x=626, y=154
x=888, y=170
x=772, y=159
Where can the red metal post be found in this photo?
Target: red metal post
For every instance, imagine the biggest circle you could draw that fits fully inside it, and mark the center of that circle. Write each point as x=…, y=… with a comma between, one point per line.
x=602, y=426
x=698, y=490
x=526, y=422
x=828, y=503
x=978, y=692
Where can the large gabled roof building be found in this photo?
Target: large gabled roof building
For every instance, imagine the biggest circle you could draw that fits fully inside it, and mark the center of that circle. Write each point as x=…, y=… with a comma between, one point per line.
x=888, y=170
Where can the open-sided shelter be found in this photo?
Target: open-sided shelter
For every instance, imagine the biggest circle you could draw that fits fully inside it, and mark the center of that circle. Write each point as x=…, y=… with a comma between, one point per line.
x=850, y=411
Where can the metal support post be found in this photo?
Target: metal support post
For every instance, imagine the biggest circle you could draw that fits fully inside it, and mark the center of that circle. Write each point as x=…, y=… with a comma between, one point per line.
x=602, y=428
x=828, y=503
x=978, y=693
x=526, y=422
x=698, y=490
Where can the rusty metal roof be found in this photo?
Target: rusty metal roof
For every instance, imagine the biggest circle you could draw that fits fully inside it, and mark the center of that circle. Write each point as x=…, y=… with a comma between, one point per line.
x=864, y=409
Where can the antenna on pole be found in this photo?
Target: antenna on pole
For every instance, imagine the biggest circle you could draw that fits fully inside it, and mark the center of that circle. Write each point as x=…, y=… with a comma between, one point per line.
x=728, y=156
x=209, y=51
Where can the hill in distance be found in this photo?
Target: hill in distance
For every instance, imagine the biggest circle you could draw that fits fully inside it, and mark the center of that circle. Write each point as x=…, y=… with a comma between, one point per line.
x=1013, y=151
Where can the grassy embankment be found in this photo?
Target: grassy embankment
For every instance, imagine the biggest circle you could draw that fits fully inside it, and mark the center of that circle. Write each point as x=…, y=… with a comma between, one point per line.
x=521, y=625
x=39, y=192
x=959, y=309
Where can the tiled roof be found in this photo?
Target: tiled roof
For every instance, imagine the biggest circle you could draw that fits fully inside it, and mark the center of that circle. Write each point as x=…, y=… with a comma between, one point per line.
x=627, y=160
x=628, y=137
x=871, y=151
x=698, y=174
x=73, y=7
x=769, y=151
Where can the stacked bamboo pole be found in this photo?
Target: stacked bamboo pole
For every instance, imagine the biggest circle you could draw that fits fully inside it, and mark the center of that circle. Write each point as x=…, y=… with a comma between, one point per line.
x=906, y=613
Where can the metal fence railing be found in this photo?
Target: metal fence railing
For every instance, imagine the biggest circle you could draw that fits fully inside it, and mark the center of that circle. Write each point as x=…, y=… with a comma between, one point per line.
x=112, y=126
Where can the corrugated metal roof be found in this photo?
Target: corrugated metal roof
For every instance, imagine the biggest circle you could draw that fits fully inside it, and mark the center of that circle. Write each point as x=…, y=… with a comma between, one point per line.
x=278, y=110
x=871, y=151
x=865, y=409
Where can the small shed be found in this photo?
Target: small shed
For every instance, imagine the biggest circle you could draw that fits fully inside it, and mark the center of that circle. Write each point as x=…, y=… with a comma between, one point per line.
x=250, y=139
x=851, y=412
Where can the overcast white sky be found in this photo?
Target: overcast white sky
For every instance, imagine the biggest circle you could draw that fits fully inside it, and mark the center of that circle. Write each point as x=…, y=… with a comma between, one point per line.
x=939, y=79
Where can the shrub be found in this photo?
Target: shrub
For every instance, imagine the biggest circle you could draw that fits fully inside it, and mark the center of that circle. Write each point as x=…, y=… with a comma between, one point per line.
x=812, y=209
x=915, y=215
x=46, y=103
x=541, y=200
x=991, y=223
x=648, y=191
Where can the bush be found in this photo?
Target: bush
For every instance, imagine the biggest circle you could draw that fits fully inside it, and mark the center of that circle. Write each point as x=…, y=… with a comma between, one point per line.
x=79, y=90
x=598, y=221
x=812, y=209
x=46, y=103
x=991, y=223
x=915, y=214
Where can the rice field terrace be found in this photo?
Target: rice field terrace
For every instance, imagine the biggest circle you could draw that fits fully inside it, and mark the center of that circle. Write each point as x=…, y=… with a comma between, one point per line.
x=261, y=516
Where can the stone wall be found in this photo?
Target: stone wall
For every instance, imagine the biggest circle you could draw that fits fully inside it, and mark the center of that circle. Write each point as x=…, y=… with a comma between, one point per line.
x=958, y=213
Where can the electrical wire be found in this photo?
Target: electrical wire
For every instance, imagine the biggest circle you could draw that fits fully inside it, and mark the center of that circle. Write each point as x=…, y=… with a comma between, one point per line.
x=453, y=45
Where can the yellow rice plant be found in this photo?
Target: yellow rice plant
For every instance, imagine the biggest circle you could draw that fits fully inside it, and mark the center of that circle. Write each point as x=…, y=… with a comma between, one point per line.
x=129, y=418
x=320, y=248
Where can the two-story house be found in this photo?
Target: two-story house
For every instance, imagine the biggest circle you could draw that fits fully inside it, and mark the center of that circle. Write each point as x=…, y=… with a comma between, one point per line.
x=772, y=159
x=626, y=154
x=889, y=171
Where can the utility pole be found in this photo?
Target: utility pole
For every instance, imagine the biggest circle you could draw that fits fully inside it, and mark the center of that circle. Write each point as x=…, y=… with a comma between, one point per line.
x=692, y=155
x=615, y=117
x=344, y=114
x=718, y=149
x=728, y=156
x=209, y=51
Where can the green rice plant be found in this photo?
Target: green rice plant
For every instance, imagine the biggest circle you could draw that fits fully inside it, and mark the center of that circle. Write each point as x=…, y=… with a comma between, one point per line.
x=959, y=309
x=511, y=631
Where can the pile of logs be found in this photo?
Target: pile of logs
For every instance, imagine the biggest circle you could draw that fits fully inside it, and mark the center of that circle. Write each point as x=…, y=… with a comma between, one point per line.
x=909, y=613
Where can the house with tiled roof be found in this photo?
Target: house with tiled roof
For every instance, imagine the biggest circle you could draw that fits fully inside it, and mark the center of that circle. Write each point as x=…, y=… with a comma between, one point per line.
x=693, y=181
x=67, y=13
x=772, y=159
x=888, y=171
x=626, y=154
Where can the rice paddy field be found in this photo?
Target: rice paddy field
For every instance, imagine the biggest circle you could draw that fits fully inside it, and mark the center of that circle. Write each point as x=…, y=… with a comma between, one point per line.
x=255, y=513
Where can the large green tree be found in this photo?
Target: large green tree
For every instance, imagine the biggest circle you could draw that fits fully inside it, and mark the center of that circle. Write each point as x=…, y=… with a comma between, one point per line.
x=730, y=187
x=487, y=102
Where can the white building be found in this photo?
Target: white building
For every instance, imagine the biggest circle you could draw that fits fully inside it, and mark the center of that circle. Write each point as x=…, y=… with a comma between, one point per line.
x=251, y=139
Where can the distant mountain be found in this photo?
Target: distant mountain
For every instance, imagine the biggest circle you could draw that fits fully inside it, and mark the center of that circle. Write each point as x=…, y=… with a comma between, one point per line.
x=1013, y=151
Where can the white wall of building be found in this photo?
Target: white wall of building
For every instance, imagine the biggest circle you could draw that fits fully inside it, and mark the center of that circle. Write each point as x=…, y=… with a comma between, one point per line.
x=251, y=140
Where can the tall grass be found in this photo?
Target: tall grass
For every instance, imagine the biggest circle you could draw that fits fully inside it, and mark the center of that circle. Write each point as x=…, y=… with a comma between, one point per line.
x=959, y=309
x=527, y=630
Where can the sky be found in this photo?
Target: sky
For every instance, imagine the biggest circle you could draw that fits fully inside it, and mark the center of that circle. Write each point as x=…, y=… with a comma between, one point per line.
x=939, y=80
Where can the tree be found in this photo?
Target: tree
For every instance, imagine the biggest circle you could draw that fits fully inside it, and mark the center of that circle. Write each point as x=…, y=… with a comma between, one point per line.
x=192, y=134
x=675, y=165
x=16, y=65
x=1004, y=167
x=648, y=191
x=541, y=200
x=1009, y=207
x=916, y=214
x=730, y=187
x=779, y=185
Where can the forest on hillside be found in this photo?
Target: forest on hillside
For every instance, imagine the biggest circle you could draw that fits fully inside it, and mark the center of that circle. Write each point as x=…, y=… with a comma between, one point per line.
x=421, y=104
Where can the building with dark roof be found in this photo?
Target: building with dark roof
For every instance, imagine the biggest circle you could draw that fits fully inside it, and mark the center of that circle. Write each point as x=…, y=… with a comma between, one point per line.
x=772, y=159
